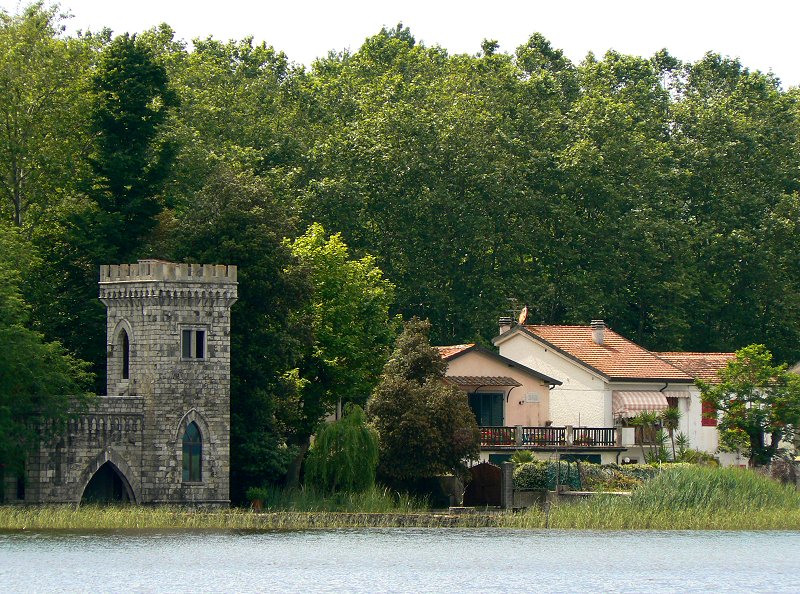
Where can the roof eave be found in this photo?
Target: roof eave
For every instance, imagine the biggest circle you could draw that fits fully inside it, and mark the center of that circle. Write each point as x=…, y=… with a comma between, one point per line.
x=510, y=362
x=670, y=380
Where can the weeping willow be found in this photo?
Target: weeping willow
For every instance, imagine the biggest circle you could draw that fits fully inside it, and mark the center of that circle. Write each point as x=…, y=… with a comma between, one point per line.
x=344, y=454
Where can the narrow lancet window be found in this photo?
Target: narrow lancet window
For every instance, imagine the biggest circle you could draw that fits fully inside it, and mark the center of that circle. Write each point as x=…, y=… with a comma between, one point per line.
x=192, y=454
x=126, y=354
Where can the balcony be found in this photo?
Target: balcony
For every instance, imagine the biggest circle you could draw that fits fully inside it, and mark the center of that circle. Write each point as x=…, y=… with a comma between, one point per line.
x=531, y=438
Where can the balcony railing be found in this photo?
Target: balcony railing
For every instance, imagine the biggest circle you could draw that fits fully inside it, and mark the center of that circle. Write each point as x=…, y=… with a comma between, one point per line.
x=498, y=436
x=520, y=437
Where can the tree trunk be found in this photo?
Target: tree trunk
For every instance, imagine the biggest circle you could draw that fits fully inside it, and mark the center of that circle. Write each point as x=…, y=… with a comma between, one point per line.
x=293, y=473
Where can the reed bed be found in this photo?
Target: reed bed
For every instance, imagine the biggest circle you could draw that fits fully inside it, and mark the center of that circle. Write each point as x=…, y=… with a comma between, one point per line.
x=683, y=498
x=66, y=517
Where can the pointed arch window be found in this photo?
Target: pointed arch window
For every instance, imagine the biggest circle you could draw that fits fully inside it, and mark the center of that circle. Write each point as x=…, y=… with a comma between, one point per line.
x=192, y=454
x=126, y=354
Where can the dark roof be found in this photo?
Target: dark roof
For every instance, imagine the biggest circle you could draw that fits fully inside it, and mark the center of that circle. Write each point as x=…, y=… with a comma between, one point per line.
x=482, y=380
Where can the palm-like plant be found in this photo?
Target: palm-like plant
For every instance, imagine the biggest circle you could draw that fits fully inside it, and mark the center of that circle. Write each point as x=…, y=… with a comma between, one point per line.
x=670, y=419
x=643, y=421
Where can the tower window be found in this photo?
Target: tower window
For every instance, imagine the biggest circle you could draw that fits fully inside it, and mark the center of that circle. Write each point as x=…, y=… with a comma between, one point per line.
x=126, y=355
x=193, y=343
x=192, y=454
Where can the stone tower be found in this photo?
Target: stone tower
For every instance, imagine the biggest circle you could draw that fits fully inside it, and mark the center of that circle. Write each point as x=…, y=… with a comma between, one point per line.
x=161, y=434
x=169, y=343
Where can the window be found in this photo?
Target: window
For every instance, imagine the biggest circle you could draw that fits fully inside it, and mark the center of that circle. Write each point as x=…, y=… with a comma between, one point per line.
x=126, y=354
x=192, y=454
x=488, y=408
x=711, y=419
x=193, y=343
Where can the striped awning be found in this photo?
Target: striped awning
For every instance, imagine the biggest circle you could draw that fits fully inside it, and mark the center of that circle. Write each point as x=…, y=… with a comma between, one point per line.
x=629, y=404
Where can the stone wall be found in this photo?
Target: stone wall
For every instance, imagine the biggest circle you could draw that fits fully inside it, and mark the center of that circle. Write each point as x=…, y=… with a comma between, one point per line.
x=112, y=431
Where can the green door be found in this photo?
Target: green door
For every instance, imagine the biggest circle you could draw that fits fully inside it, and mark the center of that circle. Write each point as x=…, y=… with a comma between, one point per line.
x=488, y=408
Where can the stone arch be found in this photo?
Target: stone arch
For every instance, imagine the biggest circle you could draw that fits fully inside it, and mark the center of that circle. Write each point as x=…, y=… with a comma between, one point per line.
x=192, y=416
x=120, y=467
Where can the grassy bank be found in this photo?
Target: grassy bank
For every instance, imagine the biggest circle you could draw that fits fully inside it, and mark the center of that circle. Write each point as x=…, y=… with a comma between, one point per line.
x=684, y=498
x=167, y=518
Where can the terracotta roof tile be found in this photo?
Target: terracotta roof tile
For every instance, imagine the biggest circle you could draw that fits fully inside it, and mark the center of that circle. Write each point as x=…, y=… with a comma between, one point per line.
x=617, y=358
x=449, y=351
x=702, y=366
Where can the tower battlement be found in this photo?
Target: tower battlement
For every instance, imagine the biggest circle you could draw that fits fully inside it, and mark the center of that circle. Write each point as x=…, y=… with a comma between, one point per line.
x=161, y=270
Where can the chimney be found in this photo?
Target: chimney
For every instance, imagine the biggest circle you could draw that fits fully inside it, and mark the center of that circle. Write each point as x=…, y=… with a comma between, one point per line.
x=598, y=329
x=505, y=324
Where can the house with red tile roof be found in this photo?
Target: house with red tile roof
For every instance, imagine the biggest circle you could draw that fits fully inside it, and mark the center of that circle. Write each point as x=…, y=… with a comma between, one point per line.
x=607, y=379
x=512, y=401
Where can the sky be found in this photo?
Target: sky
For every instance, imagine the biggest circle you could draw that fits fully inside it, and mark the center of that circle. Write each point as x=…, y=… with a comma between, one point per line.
x=763, y=34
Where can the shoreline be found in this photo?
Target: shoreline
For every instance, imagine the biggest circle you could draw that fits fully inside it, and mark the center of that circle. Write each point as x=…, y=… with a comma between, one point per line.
x=19, y=519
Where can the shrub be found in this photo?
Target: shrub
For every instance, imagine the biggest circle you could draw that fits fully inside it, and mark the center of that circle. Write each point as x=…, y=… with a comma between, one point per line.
x=542, y=475
x=522, y=457
x=344, y=455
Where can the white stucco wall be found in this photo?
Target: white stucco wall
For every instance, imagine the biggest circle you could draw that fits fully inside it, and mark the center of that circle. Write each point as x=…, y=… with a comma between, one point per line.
x=582, y=399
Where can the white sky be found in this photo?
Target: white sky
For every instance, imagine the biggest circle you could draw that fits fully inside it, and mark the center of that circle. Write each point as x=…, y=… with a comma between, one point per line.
x=762, y=33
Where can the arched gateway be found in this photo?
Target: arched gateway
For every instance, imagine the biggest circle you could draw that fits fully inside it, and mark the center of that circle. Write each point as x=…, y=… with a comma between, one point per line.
x=168, y=366
x=108, y=485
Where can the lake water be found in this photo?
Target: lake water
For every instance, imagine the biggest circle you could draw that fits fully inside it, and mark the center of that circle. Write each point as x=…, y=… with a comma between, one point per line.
x=401, y=560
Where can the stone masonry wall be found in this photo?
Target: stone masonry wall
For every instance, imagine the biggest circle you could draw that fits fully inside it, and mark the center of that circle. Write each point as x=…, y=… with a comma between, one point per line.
x=111, y=431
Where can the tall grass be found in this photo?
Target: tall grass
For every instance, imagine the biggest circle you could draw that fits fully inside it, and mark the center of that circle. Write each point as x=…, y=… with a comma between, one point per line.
x=90, y=518
x=374, y=500
x=294, y=509
x=698, y=487
x=682, y=498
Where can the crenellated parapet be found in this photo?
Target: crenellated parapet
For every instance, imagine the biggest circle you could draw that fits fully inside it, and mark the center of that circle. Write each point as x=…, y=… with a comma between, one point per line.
x=156, y=282
x=160, y=270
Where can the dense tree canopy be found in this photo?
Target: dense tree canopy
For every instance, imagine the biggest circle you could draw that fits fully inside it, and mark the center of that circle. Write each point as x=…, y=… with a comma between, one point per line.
x=659, y=195
x=40, y=383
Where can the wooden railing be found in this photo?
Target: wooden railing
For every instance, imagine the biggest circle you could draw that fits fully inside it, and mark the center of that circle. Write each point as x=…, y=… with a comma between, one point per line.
x=594, y=436
x=548, y=437
x=544, y=436
x=498, y=436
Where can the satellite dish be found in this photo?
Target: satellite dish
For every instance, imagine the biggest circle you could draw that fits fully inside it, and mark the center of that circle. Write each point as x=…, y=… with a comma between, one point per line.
x=523, y=315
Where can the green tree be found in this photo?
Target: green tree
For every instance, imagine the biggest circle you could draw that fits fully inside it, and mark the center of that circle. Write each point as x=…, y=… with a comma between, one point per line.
x=129, y=158
x=352, y=331
x=43, y=106
x=425, y=426
x=344, y=454
x=735, y=134
x=755, y=398
x=40, y=383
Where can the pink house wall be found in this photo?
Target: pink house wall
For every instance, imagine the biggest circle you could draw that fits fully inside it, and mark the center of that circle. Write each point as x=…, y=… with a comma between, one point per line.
x=516, y=409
